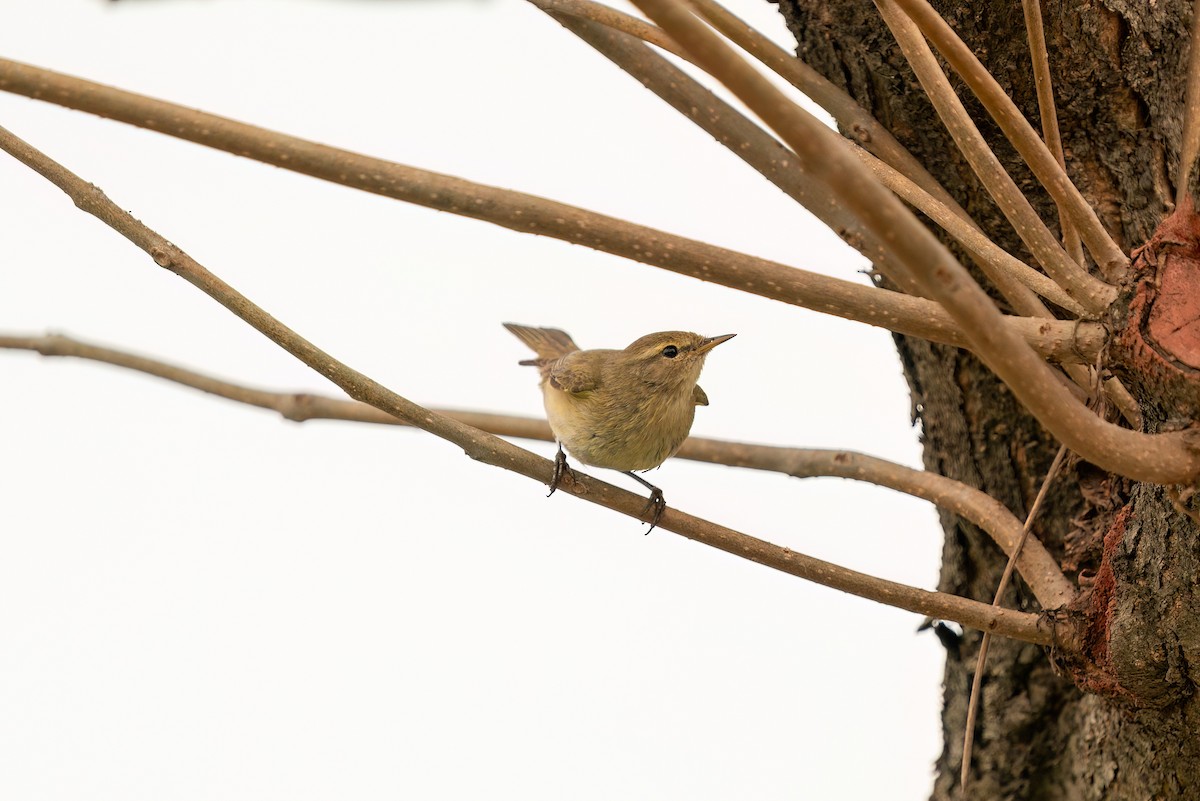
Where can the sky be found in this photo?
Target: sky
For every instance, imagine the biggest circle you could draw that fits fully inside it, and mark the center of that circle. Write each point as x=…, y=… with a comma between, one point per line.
x=203, y=601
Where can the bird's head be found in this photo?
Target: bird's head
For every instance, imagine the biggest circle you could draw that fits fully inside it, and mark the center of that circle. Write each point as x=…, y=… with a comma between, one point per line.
x=670, y=358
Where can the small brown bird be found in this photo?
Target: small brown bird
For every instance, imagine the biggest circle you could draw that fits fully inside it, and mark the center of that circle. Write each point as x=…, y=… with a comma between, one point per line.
x=625, y=409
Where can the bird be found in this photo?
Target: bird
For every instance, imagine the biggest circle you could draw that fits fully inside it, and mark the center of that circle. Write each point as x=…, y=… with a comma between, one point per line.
x=627, y=410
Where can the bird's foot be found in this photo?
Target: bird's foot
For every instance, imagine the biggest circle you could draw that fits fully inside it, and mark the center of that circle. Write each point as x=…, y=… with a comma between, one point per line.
x=561, y=471
x=658, y=504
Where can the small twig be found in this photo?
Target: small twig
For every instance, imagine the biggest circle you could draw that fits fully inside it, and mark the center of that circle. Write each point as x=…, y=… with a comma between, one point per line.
x=1167, y=458
x=497, y=452
x=1018, y=130
x=981, y=661
x=1093, y=293
x=1036, y=566
x=1191, y=129
x=1049, y=113
x=1179, y=499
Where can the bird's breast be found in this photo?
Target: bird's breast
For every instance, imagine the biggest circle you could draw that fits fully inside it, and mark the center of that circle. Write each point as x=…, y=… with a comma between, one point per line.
x=621, y=431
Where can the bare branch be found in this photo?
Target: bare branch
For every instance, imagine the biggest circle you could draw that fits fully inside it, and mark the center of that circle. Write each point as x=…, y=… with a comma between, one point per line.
x=981, y=660
x=1085, y=288
x=1191, y=130
x=1057, y=341
x=1034, y=562
x=1167, y=458
x=1036, y=565
x=494, y=451
x=1045, y=94
x=1018, y=130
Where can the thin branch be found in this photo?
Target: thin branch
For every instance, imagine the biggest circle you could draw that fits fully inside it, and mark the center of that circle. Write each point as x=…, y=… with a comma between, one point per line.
x=1057, y=341
x=1044, y=85
x=1191, y=130
x=1018, y=130
x=1036, y=565
x=985, y=644
x=1085, y=288
x=494, y=451
x=1167, y=458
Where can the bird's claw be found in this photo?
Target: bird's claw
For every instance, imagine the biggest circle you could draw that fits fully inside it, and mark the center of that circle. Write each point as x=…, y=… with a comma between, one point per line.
x=658, y=504
x=560, y=469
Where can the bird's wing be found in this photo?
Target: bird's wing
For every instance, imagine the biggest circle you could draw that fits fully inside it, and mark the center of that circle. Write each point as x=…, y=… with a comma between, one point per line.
x=547, y=343
x=698, y=396
x=573, y=373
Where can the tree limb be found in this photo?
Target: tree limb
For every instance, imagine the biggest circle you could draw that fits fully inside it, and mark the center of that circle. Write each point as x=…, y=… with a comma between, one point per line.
x=1061, y=341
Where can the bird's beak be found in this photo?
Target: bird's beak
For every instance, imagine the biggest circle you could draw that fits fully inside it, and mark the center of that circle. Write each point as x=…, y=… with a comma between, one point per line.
x=708, y=344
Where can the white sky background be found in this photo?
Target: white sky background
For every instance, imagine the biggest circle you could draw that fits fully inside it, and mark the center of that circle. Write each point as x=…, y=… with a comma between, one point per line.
x=202, y=601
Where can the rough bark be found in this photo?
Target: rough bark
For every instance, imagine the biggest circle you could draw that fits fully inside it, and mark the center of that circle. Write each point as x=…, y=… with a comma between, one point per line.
x=1124, y=724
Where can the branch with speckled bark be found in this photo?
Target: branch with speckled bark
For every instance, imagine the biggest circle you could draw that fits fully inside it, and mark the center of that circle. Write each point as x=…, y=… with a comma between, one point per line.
x=1059, y=341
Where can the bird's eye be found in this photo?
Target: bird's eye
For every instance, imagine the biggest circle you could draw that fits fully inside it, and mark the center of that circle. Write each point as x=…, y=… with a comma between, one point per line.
x=670, y=351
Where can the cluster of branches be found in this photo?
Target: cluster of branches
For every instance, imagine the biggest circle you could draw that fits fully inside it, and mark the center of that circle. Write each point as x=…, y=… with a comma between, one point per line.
x=858, y=184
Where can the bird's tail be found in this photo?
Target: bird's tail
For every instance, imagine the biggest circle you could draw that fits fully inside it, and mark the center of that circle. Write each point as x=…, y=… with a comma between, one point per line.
x=547, y=343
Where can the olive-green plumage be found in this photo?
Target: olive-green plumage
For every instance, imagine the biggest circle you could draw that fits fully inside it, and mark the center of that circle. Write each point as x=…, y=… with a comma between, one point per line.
x=625, y=409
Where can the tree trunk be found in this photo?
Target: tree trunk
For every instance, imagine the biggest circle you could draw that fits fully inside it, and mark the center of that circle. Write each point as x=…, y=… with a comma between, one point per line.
x=1125, y=725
